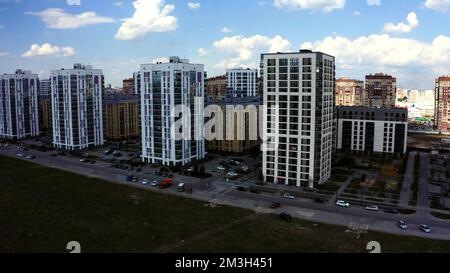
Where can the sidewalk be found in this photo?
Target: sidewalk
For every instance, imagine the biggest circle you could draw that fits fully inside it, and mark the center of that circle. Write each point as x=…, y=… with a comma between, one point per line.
x=405, y=194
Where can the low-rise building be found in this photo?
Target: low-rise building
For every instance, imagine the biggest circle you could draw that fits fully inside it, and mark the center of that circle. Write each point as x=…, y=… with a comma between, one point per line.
x=377, y=130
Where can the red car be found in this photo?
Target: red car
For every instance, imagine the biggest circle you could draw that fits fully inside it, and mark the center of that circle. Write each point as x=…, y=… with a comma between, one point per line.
x=275, y=205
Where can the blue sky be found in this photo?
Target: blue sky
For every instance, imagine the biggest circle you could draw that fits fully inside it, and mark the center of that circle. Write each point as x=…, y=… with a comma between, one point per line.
x=409, y=39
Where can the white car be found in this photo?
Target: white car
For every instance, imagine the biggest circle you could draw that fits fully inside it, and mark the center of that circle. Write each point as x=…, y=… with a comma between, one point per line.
x=343, y=204
x=154, y=184
x=425, y=228
x=20, y=155
x=402, y=225
x=221, y=168
x=145, y=182
x=288, y=195
x=372, y=208
x=232, y=174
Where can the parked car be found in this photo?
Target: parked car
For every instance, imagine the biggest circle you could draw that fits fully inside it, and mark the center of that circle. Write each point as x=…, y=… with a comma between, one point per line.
x=31, y=156
x=241, y=188
x=288, y=195
x=129, y=178
x=154, y=184
x=402, y=225
x=275, y=205
x=232, y=174
x=145, y=182
x=181, y=187
x=20, y=155
x=341, y=203
x=372, y=208
x=425, y=228
x=257, y=191
x=221, y=168
x=84, y=160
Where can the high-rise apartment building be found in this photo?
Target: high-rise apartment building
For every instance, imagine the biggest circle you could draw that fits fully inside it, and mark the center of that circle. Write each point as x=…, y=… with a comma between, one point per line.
x=122, y=116
x=298, y=136
x=237, y=123
x=45, y=88
x=137, y=82
x=163, y=87
x=242, y=83
x=380, y=91
x=19, y=110
x=77, y=106
x=349, y=92
x=216, y=88
x=128, y=86
x=442, y=103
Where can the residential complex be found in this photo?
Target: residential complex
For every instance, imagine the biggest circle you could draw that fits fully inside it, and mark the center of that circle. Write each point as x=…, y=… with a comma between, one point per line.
x=45, y=87
x=77, y=107
x=242, y=83
x=45, y=112
x=239, y=115
x=298, y=135
x=380, y=90
x=128, y=86
x=349, y=92
x=216, y=89
x=122, y=116
x=372, y=130
x=137, y=82
x=19, y=113
x=442, y=103
x=164, y=86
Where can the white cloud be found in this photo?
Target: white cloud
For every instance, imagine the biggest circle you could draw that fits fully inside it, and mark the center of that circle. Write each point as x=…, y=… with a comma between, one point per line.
x=59, y=19
x=149, y=16
x=49, y=50
x=160, y=60
x=438, y=5
x=415, y=63
x=374, y=2
x=226, y=30
x=2, y=54
x=324, y=5
x=356, y=13
x=242, y=51
x=413, y=22
x=193, y=5
x=74, y=2
x=202, y=52
x=118, y=3
x=383, y=50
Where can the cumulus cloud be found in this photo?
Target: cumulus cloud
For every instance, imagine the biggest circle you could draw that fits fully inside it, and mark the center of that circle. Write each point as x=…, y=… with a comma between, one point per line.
x=226, y=30
x=193, y=5
x=384, y=50
x=243, y=50
x=323, y=5
x=414, y=62
x=413, y=22
x=49, y=50
x=160, y=60
x=374, y=2
x=438, y=5
x=59, y=19
x=149, y=16
x=202, y=51
x=74, y=2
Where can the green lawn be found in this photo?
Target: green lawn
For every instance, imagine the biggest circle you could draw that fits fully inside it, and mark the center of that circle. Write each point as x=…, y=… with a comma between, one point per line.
x=42, y=209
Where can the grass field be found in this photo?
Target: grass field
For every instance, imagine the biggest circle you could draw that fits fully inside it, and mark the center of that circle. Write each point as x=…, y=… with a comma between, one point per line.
x=42, y=209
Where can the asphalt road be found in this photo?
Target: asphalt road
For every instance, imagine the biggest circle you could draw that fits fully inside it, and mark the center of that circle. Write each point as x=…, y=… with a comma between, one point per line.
x=221, y=192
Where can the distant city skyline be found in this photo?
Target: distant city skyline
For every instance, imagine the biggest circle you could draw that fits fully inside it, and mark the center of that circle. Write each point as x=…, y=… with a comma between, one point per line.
x=410, y=42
